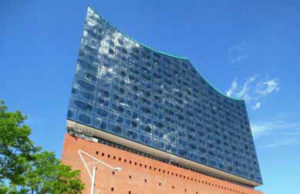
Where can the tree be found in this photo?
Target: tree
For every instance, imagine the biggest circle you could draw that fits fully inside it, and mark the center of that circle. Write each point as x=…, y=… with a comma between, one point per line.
x=16, y=148
x=48, y=175
x=24, y=168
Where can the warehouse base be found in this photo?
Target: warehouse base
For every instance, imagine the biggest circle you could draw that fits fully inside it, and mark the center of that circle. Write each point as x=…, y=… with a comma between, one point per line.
x=119, y=171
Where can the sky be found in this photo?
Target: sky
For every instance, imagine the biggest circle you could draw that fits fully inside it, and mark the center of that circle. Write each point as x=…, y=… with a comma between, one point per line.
x=247, y=49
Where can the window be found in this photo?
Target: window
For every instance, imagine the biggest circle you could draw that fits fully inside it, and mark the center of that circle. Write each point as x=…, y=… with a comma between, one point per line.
x=102, y=113
x=84, y=118
x=111, y=51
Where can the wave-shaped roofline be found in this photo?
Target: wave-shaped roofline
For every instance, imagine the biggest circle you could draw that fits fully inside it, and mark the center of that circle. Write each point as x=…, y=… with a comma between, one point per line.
x=163, y=53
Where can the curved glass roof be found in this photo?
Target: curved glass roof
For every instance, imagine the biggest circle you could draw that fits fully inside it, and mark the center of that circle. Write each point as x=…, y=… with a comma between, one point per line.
x=167, y=54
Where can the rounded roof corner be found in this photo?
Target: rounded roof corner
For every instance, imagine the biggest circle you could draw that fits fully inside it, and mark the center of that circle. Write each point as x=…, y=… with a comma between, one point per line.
x=222, y=94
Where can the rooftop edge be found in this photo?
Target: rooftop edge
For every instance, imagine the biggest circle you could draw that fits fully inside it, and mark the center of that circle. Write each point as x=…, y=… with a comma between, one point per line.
x=164, y=53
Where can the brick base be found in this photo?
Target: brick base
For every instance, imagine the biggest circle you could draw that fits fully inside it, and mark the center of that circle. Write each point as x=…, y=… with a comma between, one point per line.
x=139, y=175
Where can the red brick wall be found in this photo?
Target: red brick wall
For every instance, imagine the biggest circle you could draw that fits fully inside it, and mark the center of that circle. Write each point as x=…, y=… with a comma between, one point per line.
x=140, y=175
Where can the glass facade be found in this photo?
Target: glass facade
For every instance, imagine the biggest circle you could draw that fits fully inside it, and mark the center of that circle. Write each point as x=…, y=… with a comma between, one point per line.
x=125, y=88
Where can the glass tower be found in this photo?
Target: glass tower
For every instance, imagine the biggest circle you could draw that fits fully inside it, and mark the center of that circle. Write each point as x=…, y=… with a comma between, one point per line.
x=158, y=100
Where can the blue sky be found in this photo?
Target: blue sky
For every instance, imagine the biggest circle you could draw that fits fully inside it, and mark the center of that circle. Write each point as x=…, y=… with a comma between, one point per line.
x=247, y=49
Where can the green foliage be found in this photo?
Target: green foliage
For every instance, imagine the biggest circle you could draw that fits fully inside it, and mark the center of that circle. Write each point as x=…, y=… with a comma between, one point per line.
x=47, y=175
x=11, y=189
x=26, y=169
x=16, y=148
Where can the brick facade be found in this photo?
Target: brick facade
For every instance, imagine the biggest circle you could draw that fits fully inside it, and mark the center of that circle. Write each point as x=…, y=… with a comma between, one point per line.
x=139, y=175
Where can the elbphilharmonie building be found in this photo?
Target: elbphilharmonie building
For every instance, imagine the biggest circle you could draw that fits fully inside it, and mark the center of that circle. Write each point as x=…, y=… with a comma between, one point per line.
x=143, y=121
